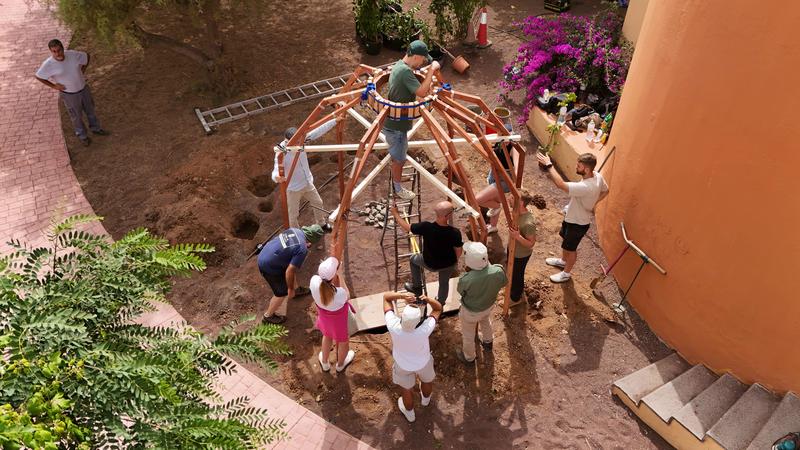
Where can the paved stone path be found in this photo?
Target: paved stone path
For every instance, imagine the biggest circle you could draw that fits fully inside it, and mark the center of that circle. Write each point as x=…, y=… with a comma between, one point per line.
x=37, y=185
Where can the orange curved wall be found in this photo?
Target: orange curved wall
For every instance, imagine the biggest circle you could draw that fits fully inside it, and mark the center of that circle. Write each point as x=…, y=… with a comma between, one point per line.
x=704, y=177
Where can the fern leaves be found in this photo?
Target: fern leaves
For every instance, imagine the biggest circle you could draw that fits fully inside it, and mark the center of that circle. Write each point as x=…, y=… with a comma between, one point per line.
x=68, y=332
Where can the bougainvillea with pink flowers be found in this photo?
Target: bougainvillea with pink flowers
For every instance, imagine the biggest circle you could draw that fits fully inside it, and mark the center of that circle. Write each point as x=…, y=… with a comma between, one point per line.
x=568, y=53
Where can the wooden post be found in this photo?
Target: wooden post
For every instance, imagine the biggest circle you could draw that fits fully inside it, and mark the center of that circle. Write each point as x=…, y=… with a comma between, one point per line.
x=340, y=157
x=495, y=121
x=364, y=150
x=284, y=184
x=449, y=150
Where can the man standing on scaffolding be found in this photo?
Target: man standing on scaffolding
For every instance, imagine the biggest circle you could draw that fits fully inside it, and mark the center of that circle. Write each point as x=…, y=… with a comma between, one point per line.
x=441, y=248
x=405, y=88
x=301, y=186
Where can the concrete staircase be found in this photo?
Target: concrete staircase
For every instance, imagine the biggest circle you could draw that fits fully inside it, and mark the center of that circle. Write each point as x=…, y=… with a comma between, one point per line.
x=693, y=408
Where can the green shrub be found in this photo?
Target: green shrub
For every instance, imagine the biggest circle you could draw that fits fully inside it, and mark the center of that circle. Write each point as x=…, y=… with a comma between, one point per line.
x=78, y=370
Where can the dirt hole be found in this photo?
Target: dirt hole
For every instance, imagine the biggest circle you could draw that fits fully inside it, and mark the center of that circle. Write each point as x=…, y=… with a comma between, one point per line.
x=245, y=225
x=261, y=185
x=265, y=206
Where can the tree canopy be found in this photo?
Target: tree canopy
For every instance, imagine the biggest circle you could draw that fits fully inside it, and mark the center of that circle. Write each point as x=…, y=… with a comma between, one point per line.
x=120, y=21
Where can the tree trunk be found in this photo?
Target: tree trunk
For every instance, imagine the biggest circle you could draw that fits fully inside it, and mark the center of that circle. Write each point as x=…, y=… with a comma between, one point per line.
x=173, y=45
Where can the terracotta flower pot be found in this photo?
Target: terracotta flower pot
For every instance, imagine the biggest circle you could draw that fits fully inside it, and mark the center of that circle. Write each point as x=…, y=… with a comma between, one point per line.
x=460, y=64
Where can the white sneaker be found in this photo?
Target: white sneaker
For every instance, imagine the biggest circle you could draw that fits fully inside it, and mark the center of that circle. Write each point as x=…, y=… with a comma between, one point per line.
x=560, y=277
x=425, y=400
x=491, y=229
x=555, y=262
x=351, y=354
x=405, y=194
x=494, y=211
x=410, y=416
x=326, y=366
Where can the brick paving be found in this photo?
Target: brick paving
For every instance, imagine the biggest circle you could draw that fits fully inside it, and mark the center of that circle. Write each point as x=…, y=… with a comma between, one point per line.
x=37, y=186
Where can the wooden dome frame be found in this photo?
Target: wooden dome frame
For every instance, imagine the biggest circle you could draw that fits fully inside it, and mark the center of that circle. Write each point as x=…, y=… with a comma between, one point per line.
x=363, y=86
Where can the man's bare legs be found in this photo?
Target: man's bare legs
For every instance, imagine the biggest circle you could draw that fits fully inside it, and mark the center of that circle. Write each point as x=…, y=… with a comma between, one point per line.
x=569, y=259
x=274, y=304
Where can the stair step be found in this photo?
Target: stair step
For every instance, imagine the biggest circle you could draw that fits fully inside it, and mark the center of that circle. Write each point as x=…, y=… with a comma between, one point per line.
x=740, y=424
x=785, y=419
x=699, y=415
x=668, y=399
x=648, y=379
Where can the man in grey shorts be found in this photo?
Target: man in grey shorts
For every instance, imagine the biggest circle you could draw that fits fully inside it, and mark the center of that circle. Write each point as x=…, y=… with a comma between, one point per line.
x=63, y=71
x=405, y=88
x=411, y=348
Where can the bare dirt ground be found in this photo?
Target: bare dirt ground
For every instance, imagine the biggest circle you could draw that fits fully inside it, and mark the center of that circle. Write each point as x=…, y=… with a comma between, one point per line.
x=545, y=385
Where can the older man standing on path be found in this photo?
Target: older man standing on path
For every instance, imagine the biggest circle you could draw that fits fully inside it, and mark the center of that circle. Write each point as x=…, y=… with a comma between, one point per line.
x=404, y=87
x=411, y=348
x=478, y=288
x=584, y=195
x=441, y=248
x=63, y=71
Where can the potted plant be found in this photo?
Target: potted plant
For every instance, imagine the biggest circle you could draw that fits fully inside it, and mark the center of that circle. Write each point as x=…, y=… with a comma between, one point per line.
x=443, y=19
x=368, y=22
x=464, y=10
x=401, y=27
x=552, y=132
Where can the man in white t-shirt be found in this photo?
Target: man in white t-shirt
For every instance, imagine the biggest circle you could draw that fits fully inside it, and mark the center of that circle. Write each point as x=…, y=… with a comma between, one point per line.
x=410, y=347
x=63, y=71
x=583, y=197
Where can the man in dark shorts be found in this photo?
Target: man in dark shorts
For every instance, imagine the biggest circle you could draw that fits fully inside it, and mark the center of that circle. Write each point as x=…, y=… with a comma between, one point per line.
x=441, y=248
x=405, y=88
x=278, y=262
x=583, y=197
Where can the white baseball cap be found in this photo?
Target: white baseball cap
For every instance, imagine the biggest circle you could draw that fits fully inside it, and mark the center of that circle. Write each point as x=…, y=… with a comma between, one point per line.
x=410, y=317
x=327, y=268
x=476, y=255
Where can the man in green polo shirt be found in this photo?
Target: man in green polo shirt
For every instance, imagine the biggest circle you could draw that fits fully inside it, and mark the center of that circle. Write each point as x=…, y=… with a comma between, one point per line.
x=404, y=88
x=478, y=288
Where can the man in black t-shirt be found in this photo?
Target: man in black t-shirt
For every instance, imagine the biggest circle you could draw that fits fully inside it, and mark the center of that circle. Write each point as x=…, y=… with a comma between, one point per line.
x=441, y=248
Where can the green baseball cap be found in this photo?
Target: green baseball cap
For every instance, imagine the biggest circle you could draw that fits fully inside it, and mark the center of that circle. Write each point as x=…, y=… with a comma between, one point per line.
x=313, y=233
x=419, y=48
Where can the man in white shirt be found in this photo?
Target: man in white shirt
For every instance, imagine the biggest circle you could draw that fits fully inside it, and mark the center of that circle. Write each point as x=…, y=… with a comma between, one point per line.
x=301, y=186
x=583, y=197
x=63, y=71
x=411, y=348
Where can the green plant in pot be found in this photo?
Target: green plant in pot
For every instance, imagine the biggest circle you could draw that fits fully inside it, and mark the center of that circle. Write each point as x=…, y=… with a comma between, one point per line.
x=399, y=28
x=368, y=24
x=463, y=10
x=444, y=20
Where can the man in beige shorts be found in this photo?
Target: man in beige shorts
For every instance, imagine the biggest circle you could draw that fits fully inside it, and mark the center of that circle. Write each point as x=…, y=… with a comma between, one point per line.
x=411, y=348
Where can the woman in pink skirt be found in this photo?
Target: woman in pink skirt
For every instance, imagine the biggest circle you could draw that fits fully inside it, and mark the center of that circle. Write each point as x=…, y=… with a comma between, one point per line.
x=333, y=306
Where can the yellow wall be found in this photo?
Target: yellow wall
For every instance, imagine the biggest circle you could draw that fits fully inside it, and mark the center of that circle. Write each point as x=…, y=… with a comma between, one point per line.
x=633, y=19
x=708, y=146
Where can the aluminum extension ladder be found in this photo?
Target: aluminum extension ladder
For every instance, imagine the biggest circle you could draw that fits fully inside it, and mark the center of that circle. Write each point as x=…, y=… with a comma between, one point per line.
x=223, y=114
x=401, y=241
